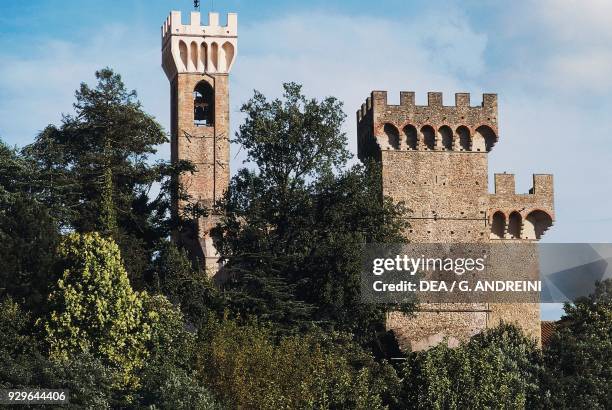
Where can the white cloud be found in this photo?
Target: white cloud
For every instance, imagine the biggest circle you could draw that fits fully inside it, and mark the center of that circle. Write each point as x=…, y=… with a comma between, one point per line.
x=551, y=105
x=39, y=86
x=574, y=21
x=564, y=44
x=350, y=56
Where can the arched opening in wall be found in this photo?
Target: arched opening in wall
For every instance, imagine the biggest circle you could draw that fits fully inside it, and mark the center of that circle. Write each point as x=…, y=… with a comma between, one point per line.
x=514, y=225
x=204, y=56
x=486, y=138
x=464, y=138
x=183, y=53
x=214, y=56
x=194, y=54
x=447, y=137
x=410, y=133
x=498, y=225
x=536, y=223
x=392, y=134
x=429, y=137
x=203, y=104
x=228, y=50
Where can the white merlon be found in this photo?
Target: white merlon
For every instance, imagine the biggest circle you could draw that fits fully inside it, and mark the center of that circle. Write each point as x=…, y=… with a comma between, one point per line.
x=174, y=26
x=194, y=48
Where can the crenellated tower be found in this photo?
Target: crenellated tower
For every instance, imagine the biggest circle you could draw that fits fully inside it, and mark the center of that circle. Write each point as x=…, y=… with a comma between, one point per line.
x=197, y=60
x=435, y=159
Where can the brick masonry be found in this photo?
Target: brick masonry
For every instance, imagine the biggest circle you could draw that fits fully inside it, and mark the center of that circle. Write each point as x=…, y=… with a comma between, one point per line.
x=207, y=147
x=200, y=56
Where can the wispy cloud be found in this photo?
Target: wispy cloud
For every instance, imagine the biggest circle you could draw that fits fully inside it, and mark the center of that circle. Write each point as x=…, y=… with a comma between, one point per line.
x=548, y=60
x=38, y=86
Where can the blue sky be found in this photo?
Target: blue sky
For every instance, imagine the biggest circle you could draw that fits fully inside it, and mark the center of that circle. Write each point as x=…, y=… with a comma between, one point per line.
x=549, y=61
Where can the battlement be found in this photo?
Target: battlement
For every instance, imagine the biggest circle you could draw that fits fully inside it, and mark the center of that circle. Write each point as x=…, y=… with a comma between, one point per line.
x=432, y=127
x=174, y=26
x=521, y=216
x=379, y=100
x=197, y=49
x=542, y=185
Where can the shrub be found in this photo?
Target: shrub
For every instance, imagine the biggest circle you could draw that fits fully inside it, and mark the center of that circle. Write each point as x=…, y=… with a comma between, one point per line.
x=95, y=310
x=579, y=373
x=499, y=368
x=248, y=367
x=168, y=380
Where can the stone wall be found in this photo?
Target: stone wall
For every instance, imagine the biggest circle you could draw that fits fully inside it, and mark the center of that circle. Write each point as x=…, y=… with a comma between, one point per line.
x=434, y=159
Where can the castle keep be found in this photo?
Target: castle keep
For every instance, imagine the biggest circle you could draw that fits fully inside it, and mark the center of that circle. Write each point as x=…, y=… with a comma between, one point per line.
x=434, y=159
x=197, y=60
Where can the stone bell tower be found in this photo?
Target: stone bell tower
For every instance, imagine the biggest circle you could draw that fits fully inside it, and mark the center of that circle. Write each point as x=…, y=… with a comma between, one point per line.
x=197, y=60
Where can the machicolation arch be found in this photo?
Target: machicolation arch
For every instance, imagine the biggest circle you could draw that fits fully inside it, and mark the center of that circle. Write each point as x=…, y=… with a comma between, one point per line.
x=530, y=227
x=429, y=137
x=514, y=225
x=536, y=223
x=498, y=225
x=411, y=136
x=393, y=137
x=463, y=133
x=446, y=136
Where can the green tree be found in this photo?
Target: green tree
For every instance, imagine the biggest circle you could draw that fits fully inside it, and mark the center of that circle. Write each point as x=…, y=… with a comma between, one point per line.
x=98, y=174
x=20, y=354
x=184, y=284
x=578, y=357
x=24, y=364
x=94, y=309
x=168, y=377
x=294, y=226
x=498, y=368
x=247, y=366
x=28, y=233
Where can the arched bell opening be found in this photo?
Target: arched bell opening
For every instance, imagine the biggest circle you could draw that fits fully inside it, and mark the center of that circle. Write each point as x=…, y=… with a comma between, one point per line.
x=204, y=104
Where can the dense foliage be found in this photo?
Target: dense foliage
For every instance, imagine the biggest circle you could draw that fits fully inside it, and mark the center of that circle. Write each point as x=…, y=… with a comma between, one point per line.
x=94, y=309
x=249, y=368
x=140, y=355
x=579, y=356
x=95, y=298
x=295, y=223
x=499, y=368
x=28, y=232
x=185, y=286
